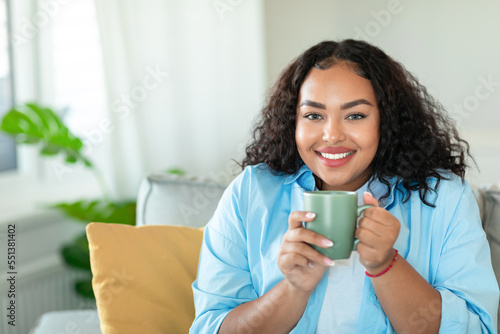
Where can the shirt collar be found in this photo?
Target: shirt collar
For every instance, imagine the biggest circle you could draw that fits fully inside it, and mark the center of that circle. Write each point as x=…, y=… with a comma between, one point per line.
x=305, y=179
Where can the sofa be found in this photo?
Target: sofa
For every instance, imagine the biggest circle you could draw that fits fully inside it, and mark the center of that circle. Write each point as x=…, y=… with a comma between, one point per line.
x=185, y=203
x=143, y=275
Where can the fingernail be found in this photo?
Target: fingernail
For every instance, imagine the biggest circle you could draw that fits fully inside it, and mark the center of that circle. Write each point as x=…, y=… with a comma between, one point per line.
x=328, y=262
x=310, y=215
x=366, y=192
x=327, y=242
x=310, y=264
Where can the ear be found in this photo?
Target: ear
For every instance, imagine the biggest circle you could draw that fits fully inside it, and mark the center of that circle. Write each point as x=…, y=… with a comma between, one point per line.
x=369, y=199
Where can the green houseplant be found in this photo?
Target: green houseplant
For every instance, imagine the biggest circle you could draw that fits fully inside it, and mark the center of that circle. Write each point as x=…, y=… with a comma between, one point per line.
x=37, y=125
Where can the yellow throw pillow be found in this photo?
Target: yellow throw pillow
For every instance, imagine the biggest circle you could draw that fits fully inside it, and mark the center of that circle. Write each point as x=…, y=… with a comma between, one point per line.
x=142, y=276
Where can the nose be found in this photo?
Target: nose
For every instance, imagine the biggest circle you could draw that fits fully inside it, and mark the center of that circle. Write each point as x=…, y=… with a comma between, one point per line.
x=333, y=131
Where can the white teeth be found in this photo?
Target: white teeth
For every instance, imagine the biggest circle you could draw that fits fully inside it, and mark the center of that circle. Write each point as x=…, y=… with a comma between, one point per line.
x=336, y=156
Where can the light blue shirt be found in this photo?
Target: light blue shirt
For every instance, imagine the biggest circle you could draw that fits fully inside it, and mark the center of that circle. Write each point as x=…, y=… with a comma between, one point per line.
x=446, y=245
x=340, y=309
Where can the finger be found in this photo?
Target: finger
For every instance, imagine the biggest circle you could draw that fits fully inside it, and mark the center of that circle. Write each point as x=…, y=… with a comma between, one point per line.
x=307, y=236
x=374, y=213
x=369, y=199
x=307, y=252
x=367, y=237
x=372, y=225
x=365, y=251
x=296, y=218
x=380, y=215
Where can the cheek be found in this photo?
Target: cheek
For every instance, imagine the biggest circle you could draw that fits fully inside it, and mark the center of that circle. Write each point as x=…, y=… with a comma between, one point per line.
x=367, y=137
x=301, y=136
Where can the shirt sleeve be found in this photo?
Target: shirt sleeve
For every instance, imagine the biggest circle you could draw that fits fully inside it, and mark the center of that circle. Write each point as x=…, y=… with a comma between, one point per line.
x=223, y=281
x=465, y=277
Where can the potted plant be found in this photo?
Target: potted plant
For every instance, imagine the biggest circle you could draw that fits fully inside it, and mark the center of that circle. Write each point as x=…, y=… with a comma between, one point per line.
x=37, y=125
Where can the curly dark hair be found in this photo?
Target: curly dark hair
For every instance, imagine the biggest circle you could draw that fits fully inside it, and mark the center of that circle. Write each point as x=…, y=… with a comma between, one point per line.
x=417, y=139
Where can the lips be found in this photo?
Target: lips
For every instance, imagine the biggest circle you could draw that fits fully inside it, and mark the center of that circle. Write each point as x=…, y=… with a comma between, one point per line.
x=335, y=156
x=334, y=150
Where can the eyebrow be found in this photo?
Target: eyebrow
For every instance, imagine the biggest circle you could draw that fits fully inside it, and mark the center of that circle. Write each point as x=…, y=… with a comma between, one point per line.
x=345, y=106
x=313, y=104
x=354, y=103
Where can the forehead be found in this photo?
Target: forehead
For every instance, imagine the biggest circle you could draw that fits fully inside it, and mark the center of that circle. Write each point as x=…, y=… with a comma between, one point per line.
x=338, y=84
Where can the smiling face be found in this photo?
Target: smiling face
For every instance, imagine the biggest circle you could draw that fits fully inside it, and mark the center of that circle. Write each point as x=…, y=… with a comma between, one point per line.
x=337, y=128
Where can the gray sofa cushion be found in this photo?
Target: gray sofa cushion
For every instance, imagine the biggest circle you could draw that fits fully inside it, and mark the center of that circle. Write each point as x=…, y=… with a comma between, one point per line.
x=488, y=201
x=166, y=199
x=490, y=217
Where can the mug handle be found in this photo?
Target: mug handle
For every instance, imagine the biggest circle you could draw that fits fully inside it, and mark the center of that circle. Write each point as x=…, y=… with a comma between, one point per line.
x=360, y=209
x=363, y=208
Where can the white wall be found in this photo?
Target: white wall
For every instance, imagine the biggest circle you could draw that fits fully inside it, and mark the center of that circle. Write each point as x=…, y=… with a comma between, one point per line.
x=221, y=63
x=200, y=118
x=451, y=47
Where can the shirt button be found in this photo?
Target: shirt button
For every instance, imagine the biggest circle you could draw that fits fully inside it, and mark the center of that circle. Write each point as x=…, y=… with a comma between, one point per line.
x=373, y=298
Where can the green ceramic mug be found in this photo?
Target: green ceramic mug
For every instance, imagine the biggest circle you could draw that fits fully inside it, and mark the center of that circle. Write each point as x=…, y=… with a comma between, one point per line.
x=336, y=216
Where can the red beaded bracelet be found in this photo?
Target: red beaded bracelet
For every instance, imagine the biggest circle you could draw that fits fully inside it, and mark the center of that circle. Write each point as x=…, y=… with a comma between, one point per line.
x=386, y=269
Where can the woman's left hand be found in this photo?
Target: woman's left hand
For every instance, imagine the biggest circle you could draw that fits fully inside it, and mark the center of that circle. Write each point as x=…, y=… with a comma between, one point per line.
x=377, y=232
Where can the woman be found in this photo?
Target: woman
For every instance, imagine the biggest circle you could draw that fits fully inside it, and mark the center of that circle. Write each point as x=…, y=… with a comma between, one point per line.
x=345, y=116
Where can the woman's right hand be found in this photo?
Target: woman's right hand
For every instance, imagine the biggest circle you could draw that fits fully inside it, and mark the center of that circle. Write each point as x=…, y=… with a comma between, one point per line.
x=302, y=265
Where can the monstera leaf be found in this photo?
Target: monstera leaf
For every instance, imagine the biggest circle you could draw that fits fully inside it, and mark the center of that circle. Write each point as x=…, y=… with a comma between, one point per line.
x=76, y=253
x=33, y=124
x=102, y=211
x=84, y=288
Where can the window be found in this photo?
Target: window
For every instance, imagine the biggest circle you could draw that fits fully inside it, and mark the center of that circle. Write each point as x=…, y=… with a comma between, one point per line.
x=72, y=76
x=75, y=57
x=72, y=81
x=8, y=159
x=58, y=64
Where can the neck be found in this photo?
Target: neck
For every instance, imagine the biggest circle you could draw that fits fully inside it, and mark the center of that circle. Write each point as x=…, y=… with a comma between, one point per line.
x=351, y=186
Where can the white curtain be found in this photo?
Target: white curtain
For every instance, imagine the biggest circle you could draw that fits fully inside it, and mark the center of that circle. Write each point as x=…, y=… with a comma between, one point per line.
x=185, y=80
